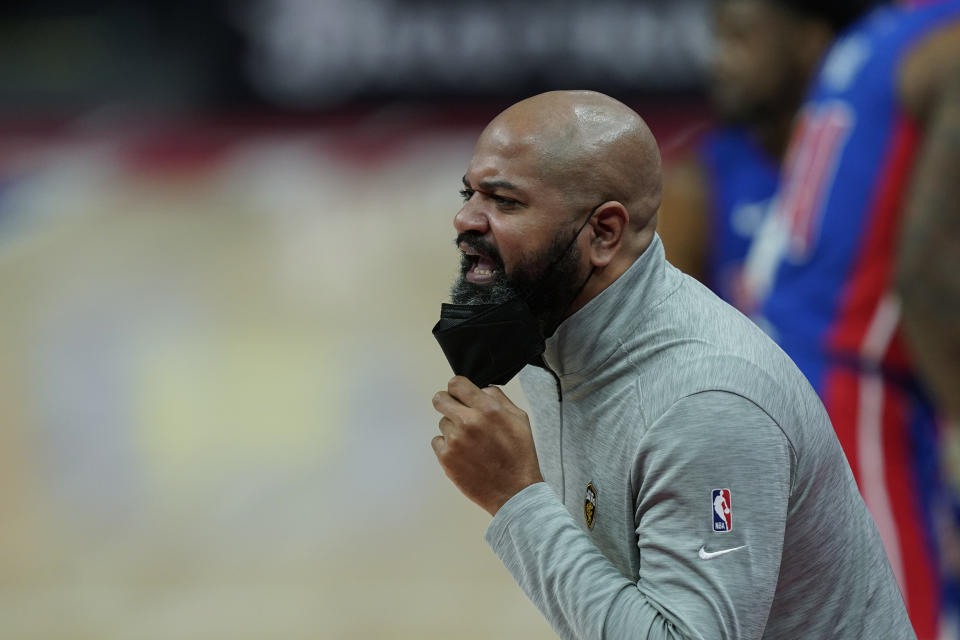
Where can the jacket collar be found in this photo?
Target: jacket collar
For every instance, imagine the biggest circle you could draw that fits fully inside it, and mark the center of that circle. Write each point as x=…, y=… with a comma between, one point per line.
x=589, y=337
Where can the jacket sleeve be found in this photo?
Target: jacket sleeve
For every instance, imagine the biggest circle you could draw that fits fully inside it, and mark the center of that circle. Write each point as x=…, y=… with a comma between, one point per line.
x=686, y=589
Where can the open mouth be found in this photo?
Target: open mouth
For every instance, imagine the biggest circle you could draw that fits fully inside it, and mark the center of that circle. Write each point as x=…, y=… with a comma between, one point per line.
x=482, y=268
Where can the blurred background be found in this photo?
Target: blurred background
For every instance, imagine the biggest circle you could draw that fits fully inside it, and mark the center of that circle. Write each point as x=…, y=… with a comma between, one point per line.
x=225, y=233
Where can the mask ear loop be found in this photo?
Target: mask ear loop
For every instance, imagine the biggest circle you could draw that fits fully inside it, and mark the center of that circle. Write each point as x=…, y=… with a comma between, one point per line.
x=563, y=253
x=548, y=331
x=584, y=285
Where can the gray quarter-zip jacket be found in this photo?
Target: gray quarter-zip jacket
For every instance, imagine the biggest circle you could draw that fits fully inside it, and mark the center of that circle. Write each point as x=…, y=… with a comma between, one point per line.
x=694, y=487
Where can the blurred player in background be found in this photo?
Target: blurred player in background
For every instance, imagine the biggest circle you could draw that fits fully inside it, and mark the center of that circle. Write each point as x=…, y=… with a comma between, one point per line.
x=855, y=272
x=717, y=194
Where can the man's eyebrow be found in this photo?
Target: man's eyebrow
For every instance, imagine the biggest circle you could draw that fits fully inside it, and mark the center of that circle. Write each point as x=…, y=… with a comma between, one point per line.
x=493, y=184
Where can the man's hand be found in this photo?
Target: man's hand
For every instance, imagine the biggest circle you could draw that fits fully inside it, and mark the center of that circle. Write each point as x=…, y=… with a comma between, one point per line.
x=486, y=447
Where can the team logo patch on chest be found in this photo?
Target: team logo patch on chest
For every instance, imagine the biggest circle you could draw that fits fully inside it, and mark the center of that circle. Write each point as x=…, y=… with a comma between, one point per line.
x=722, y=508
x=590, y=505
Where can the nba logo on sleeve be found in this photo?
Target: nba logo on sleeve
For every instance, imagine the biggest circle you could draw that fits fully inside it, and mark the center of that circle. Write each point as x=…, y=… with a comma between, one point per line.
x=722, y=511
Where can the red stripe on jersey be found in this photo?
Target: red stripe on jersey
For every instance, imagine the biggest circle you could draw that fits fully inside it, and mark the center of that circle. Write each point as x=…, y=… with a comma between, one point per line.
x=871, y=276
x=895, y=505
x=840, y=397
x=920, y=574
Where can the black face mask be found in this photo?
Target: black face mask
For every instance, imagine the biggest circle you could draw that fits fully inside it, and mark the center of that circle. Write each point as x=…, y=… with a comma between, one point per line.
x=491, y=343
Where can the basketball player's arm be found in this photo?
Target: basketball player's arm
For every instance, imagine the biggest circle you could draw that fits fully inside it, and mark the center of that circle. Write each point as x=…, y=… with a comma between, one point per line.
x=928, y=267
x=683, y=220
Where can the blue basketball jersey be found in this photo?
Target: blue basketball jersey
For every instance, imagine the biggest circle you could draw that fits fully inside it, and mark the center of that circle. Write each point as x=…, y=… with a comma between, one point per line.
x=823, y=264
x=821, y=271
x=741, y=178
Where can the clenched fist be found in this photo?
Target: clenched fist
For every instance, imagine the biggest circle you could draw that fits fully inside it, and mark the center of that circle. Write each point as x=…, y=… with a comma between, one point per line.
x=486, y=447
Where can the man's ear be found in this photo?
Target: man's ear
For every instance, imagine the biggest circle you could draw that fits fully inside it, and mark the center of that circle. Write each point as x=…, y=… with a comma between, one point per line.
x=609, y=224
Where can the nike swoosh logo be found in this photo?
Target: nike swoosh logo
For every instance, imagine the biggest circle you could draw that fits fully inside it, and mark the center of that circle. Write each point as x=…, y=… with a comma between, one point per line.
x=706, y=555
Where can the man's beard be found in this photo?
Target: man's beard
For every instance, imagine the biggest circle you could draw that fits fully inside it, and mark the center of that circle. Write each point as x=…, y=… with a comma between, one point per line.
x=548, y=282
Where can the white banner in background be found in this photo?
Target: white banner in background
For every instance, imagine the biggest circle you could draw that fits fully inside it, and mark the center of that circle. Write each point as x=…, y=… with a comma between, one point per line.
x=315, y=52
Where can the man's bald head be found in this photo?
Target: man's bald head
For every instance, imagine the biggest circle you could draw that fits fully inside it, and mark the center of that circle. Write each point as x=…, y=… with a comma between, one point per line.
x=538, y=170
x=594, y=148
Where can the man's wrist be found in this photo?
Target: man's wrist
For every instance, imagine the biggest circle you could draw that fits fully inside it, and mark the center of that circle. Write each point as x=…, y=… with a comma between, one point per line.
x=495, y=507
x=521, y=506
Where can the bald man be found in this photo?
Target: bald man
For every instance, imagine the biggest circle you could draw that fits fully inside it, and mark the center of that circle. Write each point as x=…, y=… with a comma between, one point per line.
x=680, y=479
